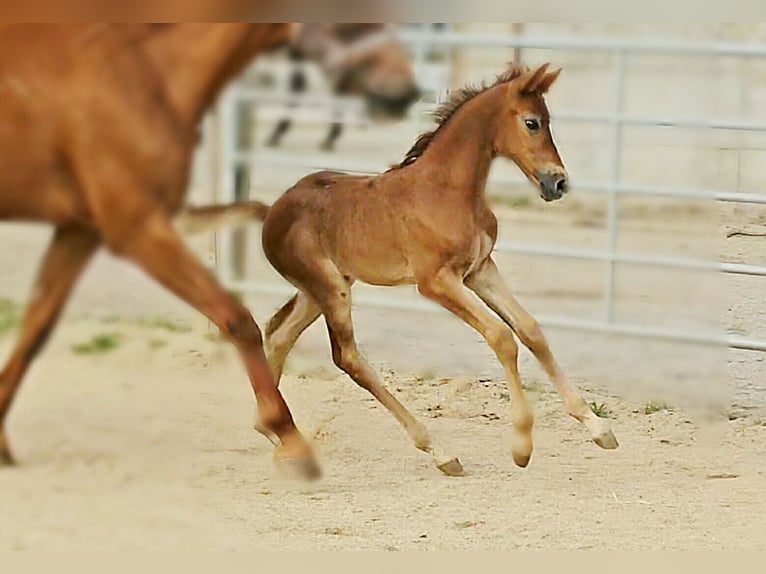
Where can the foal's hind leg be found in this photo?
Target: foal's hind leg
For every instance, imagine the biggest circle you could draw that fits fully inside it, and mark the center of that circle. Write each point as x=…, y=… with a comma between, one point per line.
x=448, y=290
x=67, y=255
x=282, y=332
x=284, y=328
x=488, y=284
x=334, y=299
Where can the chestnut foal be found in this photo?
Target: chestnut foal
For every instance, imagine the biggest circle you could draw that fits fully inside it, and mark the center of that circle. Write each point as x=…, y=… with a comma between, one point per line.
x=427, y=222
x=98, y=123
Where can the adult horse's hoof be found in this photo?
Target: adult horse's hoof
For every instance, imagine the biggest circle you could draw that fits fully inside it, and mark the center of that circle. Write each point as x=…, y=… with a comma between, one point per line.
x=6, y=458
x=451, y=468
x=304, y=468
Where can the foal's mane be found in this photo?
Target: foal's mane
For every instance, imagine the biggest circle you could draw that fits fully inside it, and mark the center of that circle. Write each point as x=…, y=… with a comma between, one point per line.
x=450, y=106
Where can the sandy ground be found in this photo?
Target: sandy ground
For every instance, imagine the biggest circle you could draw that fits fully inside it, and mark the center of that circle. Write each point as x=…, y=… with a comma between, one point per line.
x=151, y=448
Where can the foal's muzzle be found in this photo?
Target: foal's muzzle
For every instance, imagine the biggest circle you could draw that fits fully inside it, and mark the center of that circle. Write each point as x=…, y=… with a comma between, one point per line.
x=553, y=185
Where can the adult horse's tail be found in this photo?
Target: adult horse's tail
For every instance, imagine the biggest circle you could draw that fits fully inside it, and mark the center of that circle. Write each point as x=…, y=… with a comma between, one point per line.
x=195, y=220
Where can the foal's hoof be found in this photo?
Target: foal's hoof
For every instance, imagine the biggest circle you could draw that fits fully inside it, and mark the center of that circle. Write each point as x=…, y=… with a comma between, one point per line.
x=521, y=448
x=606, y=440
x=521, y=460
x=451, y=468
x=304, y=468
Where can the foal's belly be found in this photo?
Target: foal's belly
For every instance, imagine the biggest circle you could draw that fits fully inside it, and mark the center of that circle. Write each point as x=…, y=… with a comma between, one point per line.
x=384, y=270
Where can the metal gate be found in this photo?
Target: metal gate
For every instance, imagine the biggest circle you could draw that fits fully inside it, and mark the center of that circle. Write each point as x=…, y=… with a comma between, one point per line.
x=234, y=157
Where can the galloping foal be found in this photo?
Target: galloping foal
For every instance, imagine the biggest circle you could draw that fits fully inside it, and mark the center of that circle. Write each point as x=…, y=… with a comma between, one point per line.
x=427, y=222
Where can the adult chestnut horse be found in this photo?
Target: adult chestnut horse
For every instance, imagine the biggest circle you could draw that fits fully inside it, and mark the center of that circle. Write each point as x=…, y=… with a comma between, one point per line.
x=97, y=127
x=424, y=222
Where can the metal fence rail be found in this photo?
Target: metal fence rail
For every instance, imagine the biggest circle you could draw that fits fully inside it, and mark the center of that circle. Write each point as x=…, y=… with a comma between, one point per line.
x=232, y=157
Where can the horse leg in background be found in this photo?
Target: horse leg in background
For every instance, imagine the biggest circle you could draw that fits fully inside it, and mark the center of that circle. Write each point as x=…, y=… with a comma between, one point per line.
x=336, y=129
x=448, y=290
x=297, y=86
x=66, y=257
x=282, y=331
x=282, y=127
x=332, y=293
x=489, y=285
x=158, y=249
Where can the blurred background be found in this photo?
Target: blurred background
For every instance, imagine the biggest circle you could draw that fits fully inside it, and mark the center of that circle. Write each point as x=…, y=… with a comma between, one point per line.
x=663, y=131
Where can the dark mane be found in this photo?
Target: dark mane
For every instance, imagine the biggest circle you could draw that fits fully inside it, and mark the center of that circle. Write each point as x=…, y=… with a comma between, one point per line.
x=448, y=108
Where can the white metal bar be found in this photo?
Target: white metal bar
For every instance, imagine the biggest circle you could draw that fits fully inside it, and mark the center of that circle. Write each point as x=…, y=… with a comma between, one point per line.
x=647, y=260
x=701, y=49
x=356, y=105
x=314, y=162
x=226, y=175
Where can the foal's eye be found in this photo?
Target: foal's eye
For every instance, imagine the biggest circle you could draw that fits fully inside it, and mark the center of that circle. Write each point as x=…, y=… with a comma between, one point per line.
x=532, y=124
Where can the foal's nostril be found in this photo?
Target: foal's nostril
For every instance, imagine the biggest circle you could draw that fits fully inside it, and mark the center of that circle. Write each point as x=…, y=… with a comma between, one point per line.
x=561, y=185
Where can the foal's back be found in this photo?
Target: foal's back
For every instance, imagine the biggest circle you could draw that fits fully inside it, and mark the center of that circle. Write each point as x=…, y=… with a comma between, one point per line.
x=355, y=222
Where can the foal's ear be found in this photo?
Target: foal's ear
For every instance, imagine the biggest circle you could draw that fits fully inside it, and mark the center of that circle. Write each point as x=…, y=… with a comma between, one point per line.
x=547, y=81
x=530, y=81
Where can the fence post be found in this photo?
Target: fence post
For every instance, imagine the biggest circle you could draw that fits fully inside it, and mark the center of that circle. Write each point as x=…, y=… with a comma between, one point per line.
x=613, y=199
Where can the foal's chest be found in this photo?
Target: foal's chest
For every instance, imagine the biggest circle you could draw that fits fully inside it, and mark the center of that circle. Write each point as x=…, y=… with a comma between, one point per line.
x=481, y=248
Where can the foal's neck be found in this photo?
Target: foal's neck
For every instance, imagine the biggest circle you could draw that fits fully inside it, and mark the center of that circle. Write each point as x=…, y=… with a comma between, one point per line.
x=463, y=149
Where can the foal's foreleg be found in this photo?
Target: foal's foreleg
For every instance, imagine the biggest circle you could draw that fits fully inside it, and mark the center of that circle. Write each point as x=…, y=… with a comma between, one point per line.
x=489, y=285
x=335, y=304
x=69, y=252
x=448, y=290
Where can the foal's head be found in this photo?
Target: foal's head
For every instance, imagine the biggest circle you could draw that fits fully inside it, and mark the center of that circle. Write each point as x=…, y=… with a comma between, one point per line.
x=524, y=133
x=366, y=60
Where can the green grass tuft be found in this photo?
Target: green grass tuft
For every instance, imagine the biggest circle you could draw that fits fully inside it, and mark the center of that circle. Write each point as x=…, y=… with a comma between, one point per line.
x=10, y=316
x=655, y=407
x=601, y=410
x=98, y=345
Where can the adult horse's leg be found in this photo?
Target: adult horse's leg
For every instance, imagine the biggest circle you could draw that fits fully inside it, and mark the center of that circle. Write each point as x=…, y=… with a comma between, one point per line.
x=297, y=86
x=67, y=255
x=160, y=251
x=489, y=285
x=279, y=130
x=282, y=332
x=448, y=290
x=332, y=293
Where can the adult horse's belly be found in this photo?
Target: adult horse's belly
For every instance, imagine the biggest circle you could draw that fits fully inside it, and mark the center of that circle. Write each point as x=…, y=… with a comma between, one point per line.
x=35, y=181
x=42, y=195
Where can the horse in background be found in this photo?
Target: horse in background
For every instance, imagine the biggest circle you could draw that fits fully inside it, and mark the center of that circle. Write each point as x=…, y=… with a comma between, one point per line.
x=378, y=68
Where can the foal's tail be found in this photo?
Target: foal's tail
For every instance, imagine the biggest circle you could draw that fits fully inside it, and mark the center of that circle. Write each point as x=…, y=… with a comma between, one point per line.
x=204, y=218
